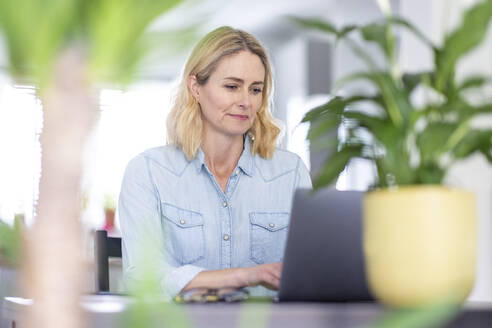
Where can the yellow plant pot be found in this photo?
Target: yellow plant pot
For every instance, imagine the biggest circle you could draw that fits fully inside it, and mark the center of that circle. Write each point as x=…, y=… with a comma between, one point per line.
x=420, y=244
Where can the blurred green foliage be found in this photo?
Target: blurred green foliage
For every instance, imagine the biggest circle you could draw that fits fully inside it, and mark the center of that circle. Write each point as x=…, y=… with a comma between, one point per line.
x=255, y=313
x=149, y=307
x=112, y=34
x=10, y=243
x=409, y=143
x=433, y=315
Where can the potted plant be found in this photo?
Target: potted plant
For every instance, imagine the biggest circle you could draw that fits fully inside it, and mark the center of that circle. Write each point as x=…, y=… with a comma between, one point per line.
x=419, y=235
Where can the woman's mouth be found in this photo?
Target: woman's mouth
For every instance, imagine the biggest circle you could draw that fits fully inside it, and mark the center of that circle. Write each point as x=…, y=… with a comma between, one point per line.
x=239, y=117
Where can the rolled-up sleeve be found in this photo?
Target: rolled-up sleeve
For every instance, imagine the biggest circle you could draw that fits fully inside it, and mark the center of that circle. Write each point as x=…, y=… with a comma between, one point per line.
x=143, y=247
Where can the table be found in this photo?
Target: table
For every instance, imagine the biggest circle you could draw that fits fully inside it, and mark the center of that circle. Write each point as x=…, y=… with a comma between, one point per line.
x=109, y=310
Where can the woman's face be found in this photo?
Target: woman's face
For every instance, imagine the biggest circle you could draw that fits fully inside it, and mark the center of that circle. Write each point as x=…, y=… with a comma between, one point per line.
x=232, y=95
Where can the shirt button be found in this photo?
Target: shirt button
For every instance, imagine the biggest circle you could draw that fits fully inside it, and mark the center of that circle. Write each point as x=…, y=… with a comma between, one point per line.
x=182, y=221
x=224, y=204
x=237, y=172
x=226, y=237
x=271, y=225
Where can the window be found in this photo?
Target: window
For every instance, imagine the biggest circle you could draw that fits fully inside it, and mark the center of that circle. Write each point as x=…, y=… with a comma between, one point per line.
x=130, y=122
x=20, y=126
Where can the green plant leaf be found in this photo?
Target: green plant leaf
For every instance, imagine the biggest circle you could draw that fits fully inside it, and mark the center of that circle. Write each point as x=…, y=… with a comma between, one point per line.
x=453, y=106
x=365, y=120
x=483, y=109
x=322, y=127
x=339, y=34
x=473, y=82
x=380, y=128
x=335, y=164
x=462, y=40
x=346, y=30
x=394, y=167
x=315, y=23
x=474, y=140
x=430, y=173
x=379, y=33
x=412, y=80
x=409, y=26
x=327, y=143
x=432, y=139
x=395, y=101
x=334, y=106
x=323, y=26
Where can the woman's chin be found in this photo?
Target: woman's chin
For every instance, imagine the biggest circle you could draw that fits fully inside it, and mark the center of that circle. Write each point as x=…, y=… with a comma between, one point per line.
x=237, y=133
x=238, y=130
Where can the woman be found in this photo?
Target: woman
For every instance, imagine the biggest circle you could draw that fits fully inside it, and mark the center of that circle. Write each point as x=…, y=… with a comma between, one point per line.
x=215, y=202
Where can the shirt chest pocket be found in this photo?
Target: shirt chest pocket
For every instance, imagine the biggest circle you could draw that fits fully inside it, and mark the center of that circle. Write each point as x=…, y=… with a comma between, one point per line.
x=268, y=233
x=183, y=234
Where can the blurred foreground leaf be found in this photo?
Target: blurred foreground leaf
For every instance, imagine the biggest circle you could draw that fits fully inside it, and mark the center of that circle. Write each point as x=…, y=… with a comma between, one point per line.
x=9, y=243
x=151, y=307
x=435, y=315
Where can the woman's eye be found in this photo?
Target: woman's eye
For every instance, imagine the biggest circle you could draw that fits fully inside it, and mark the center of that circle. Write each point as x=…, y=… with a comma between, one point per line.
x=257, y=90
x=231, y=86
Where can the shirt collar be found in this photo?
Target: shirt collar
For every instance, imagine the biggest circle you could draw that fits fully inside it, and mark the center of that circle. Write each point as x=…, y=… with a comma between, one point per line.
x=245, y=162
x=199, y=160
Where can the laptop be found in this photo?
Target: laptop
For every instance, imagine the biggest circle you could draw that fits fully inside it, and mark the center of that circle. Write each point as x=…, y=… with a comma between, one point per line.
x=323, y=258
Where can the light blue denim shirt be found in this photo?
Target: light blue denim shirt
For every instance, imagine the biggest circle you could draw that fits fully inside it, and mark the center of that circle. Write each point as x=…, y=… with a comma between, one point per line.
x=177, y=207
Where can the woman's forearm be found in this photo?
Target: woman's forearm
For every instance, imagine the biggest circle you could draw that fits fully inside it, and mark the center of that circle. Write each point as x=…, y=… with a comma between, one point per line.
x=234, y=278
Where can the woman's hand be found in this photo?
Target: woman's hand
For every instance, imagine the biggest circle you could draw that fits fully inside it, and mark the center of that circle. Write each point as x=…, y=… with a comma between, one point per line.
x=267, y=275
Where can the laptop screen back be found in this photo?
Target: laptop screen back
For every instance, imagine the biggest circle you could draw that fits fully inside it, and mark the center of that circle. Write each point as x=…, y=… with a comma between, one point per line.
x=323, y=258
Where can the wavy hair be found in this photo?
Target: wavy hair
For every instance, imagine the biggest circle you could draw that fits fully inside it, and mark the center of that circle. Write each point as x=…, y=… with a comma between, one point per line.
x=184, y=123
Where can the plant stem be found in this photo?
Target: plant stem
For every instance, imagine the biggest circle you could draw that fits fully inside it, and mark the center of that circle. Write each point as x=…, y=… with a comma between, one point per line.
x=53, y=268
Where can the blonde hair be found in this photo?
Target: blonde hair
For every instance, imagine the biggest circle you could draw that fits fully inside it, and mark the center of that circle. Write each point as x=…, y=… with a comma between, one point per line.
x=184, y=123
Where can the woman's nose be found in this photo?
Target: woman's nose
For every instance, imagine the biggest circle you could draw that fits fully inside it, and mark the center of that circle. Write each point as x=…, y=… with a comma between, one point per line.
x=244, y=100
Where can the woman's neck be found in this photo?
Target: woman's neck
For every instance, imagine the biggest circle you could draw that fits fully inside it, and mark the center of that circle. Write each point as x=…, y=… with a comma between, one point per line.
x=222, y=153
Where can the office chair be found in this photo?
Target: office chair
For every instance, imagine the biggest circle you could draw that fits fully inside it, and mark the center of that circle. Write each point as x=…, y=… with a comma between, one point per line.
x=104, y=248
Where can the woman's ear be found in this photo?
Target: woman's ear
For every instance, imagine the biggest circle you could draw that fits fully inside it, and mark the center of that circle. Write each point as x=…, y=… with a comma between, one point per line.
x=193, y=86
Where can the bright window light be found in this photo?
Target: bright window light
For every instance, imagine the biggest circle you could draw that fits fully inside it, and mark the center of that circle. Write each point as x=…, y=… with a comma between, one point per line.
x=130, y=122
x=20, y=162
